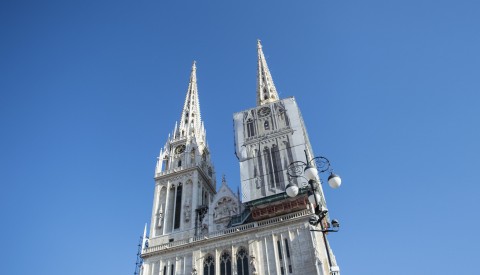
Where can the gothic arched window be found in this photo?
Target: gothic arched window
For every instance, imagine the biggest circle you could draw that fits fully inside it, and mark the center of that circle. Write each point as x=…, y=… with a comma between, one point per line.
x=260, y=169
x=192, y=156
x=266, y=125
x=225, y=264
x=269, y=166
x=277, y=164
x=250, y=129
x=178, y=207
x=165, y=163
x=209, y=265
x=242, y=262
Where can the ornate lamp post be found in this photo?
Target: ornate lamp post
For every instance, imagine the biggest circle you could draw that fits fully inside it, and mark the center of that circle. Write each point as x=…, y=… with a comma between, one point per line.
x=310, y=171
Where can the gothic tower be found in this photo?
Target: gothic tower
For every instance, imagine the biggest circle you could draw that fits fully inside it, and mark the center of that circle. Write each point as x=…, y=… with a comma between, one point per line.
x=267, y=139
x=184, y=175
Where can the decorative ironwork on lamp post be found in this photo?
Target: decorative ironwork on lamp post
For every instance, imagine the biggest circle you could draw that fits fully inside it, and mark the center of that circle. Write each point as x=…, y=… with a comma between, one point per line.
x=310, y=171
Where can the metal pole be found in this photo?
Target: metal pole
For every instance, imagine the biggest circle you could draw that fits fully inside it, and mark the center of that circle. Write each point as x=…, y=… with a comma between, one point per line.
x=326, y=247
x=317, y=210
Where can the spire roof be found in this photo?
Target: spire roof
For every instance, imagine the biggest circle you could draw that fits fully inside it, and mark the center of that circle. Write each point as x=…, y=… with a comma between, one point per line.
x=190, y=120
x=266, y=91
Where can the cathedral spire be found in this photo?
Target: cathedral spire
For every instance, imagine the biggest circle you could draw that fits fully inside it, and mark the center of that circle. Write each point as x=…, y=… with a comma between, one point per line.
x=266, y=91
x=190, y=120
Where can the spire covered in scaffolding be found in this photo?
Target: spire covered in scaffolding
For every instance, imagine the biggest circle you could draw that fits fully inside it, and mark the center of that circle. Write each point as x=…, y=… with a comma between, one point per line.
x=266, y=91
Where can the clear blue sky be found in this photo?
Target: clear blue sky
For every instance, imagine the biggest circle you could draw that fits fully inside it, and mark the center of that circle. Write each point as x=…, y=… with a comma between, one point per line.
x=89, y=91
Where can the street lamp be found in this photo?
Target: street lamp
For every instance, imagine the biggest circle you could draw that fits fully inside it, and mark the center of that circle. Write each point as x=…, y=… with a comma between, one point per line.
x=310, y=171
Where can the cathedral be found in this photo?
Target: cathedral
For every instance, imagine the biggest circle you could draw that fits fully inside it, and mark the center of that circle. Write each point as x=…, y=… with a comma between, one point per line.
x=198, y=227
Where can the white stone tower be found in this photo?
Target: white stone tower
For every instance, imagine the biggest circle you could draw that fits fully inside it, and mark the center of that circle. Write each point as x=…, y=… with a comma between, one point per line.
x=196, y=229
x=184, y=175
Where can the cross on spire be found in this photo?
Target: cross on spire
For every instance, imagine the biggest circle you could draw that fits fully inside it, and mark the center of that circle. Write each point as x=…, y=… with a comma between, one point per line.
x=266, y=91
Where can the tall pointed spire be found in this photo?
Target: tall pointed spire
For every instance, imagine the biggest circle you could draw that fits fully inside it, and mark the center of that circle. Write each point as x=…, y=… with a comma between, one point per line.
x=190, y=120
x=266, y=91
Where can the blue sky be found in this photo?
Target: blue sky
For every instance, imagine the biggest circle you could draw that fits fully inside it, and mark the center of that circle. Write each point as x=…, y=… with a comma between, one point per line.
x=89, y=91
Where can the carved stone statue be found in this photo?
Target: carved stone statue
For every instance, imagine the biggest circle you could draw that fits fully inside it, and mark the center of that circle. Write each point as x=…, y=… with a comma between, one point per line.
x=187, y=213
x=204, y=228
x=253, y=263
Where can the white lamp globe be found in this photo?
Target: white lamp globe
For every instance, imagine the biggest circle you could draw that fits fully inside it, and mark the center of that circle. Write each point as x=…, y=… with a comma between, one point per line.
x=311, y=173
x=292, y=190
x=334, y=181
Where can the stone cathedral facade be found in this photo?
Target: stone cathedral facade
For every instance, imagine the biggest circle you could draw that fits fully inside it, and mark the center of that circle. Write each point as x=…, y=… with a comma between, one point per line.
x=198, y=227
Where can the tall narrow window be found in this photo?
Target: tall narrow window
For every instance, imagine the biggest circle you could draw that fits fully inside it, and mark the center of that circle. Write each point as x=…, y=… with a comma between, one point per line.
x=289, y=260
x=242, y=262
x=192, y=156
x=287, y=249
x=279, y=246
x=179, y=163
x=178, y=207
x=164, y=164
x=268, y=163
x=209, y=266
x=164, y=270
x=225, y=264
x=250, y=129
x=172, y=270
x=266, y=125
x=260, y=169
x=277, y=165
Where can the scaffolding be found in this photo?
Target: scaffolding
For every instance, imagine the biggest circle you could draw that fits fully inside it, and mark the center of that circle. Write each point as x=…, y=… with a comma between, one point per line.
x=139, y=262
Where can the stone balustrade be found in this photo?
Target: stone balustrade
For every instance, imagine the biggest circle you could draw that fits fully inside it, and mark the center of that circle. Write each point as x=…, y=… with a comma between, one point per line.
x=231, y=230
